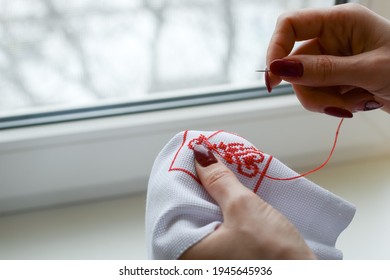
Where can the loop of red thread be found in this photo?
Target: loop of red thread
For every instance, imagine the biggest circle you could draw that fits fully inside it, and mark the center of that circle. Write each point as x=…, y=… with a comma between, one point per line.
x=317, y=168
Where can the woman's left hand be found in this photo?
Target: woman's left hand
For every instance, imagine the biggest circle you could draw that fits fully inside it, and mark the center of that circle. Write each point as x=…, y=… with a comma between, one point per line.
x=251, y=228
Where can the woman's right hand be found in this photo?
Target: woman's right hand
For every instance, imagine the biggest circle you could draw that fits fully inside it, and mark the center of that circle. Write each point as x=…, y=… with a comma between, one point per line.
x=344, y=64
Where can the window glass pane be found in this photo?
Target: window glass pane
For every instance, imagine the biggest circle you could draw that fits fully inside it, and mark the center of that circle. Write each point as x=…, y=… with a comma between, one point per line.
x=83, y=52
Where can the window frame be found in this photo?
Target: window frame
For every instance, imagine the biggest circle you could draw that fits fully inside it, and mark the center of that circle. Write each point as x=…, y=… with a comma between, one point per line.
x=202, y=97
x=144, y=106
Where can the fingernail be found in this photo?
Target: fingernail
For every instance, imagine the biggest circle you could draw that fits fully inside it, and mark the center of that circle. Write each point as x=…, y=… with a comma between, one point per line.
x=267, y=82
x=287, y=68
x=204, y=156
x=338, y=112
x=368, y=106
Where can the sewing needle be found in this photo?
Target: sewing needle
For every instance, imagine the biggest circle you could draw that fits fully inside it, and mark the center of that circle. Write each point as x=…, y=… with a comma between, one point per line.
x=266, y=77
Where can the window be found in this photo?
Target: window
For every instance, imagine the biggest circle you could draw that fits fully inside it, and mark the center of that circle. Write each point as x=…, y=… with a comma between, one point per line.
x=63, y=60
x=74, y=161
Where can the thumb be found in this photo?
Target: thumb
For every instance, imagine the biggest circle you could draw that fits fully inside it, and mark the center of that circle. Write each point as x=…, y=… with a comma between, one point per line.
x=323, y=70
x=218, y=180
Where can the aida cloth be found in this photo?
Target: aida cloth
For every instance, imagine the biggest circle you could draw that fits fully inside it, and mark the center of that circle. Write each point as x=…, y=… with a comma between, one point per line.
x=180, y=213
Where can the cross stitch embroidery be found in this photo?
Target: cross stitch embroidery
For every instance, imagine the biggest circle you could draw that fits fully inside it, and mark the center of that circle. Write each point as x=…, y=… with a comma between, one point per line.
x=245, y=159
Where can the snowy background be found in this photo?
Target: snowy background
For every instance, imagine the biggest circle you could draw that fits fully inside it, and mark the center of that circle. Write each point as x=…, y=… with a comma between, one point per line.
x=80, y=52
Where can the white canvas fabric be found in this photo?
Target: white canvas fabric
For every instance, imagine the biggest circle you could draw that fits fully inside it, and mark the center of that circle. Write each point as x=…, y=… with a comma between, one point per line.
x=179, y=212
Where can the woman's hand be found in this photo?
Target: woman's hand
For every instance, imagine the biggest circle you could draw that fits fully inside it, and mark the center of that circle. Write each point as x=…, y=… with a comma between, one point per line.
x=343, y=65
x=251, y=228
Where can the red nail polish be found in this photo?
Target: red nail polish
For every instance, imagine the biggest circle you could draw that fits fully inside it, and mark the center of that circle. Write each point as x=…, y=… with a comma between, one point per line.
x=287, y=68
x=267, y=82
x=338, y=112
x=204, y=156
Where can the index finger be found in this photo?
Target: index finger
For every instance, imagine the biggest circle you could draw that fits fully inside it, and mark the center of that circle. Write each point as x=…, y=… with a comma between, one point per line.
x=295, y=26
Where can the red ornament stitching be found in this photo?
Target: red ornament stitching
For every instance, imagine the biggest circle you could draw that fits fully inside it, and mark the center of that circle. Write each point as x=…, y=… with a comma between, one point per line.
x=247, y=159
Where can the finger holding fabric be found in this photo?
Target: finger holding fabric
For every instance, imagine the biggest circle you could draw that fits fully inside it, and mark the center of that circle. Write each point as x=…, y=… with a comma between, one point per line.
x=251, y=228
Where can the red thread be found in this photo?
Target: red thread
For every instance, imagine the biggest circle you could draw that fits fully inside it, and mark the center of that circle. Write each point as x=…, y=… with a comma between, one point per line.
x=171, y=168
x=247, y=159
x=230, y=152
x=263, y=174
x=317, y=168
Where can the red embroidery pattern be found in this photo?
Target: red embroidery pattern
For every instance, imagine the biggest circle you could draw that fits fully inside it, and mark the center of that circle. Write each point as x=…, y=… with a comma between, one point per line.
x=246, y=158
